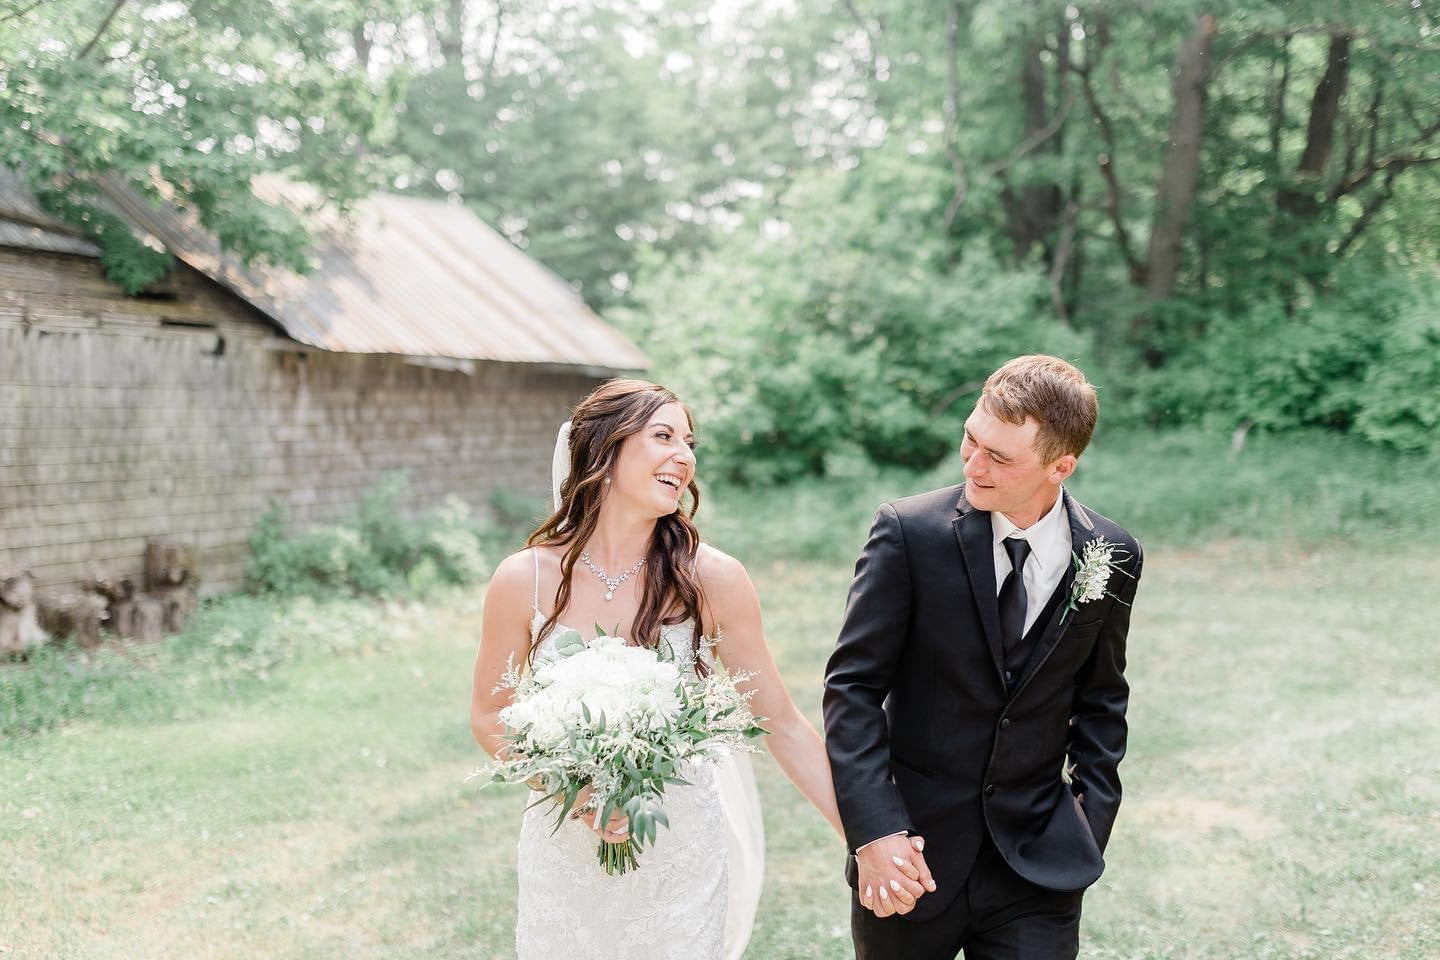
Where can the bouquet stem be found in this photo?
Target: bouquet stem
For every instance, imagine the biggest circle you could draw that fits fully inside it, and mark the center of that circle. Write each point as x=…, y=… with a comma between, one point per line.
x=617, y=858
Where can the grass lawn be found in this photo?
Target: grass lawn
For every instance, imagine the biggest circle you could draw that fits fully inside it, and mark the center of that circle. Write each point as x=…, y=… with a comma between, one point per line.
x=1282, y=795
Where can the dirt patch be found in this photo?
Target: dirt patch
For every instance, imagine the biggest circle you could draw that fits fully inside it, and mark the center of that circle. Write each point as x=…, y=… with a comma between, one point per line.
x=1192, y=818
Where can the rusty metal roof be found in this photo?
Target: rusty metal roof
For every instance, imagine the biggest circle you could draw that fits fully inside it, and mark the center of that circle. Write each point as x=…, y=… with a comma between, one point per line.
x=23, y=224
x=402, y=275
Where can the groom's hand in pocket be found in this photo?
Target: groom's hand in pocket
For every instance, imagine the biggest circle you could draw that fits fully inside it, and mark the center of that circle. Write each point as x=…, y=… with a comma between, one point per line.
x=892, y=874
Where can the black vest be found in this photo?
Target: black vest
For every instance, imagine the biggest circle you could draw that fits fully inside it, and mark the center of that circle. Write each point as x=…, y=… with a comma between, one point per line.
x=1020, y=658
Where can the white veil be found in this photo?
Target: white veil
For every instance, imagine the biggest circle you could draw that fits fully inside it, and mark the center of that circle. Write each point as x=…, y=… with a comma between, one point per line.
x=734, y=785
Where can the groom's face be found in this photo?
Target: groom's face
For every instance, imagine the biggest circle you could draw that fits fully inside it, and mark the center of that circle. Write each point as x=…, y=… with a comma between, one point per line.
x=1002, y=470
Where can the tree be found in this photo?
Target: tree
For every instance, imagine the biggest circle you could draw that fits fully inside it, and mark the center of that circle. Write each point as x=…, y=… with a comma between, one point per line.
x=186, y=102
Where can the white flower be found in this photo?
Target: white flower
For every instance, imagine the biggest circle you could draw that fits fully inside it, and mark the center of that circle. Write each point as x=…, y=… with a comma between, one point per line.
x=655, y=719
x=1093, y=567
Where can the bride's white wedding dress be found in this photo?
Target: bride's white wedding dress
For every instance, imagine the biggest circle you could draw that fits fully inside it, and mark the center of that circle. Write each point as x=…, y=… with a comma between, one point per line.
x=697, y=887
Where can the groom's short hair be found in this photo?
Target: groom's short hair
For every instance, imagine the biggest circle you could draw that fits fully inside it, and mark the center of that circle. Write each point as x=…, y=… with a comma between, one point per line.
x=1052, y=391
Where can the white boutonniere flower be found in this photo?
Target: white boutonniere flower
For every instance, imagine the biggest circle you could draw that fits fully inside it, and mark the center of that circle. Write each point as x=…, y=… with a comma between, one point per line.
x=1093, y=566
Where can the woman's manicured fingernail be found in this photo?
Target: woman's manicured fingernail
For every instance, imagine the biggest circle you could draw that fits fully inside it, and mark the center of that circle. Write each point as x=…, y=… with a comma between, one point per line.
x=895, y=885
x=898, y=861
x=884, y=894
x=869, y=892
x=919, y=844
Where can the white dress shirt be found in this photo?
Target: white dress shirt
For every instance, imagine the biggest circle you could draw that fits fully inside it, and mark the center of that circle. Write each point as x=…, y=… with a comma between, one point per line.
x=1050, y=548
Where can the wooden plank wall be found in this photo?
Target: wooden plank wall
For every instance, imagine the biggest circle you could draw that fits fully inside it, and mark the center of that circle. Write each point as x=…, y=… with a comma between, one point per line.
x=117, y=423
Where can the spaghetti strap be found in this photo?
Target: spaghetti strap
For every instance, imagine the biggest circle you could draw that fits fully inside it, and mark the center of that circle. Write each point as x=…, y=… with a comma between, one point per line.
x=535, y=602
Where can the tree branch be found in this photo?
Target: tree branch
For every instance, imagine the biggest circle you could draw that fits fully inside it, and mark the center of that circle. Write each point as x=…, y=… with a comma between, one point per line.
x=947, y=401
x=1396, y=161
x=1389, y=164
x=1277, y=123
x=489, y=70
x=17, y=14
x=1034, y=140
x=105, y=25
x=862, y=24
x=1112, y=184
x=1063, y=249
x=1368, y=213
x=1372, y=148
x=1324, y=30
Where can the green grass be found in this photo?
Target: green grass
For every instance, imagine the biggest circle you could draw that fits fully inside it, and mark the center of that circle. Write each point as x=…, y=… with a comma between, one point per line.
x=303, y=795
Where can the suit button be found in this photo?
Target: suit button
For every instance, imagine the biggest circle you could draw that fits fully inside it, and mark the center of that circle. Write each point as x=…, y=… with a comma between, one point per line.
x=989, y=789
x=1005, y=724
x=1007, y=676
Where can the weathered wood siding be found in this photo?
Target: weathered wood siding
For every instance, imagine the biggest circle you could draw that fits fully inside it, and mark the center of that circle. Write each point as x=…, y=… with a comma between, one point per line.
x=117, y=423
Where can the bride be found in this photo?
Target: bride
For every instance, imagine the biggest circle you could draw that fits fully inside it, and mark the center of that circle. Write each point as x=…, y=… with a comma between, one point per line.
x=620, y=553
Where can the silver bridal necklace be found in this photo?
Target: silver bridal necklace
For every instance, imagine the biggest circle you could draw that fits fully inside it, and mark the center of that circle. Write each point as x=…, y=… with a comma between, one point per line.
x=613, y=583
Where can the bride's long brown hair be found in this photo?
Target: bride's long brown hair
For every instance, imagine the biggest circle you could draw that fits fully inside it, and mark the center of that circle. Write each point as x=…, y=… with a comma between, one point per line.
x=671, y=593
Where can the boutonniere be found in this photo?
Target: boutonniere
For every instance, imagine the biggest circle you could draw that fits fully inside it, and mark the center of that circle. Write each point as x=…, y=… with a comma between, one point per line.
x=1093, y=566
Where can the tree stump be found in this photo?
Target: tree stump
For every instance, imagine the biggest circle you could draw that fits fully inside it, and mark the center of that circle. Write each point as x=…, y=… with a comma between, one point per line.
x=137, y=616
x=170, y=579
x=73, y=614
x=20, y=630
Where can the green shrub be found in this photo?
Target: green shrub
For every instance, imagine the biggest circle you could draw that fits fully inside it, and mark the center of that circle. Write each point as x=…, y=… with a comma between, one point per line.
x=1364, y=359
x=381, y=550
x=850, y=326
x=1399, y=400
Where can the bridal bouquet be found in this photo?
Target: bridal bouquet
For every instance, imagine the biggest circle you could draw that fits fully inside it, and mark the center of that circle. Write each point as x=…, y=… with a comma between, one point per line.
x=621, y=720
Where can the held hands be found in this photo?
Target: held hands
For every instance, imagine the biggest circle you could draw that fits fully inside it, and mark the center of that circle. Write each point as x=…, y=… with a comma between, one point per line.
x=893, y=875
x=616, y=830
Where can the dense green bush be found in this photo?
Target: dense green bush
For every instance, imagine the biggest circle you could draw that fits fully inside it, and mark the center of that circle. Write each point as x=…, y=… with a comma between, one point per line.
x=1399, y=399
x=1363, y=359
x=379, y=550
x=834, y=321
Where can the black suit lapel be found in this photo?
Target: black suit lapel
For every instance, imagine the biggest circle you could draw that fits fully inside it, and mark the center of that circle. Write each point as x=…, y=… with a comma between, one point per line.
x=977, y=544
x=1082, y=531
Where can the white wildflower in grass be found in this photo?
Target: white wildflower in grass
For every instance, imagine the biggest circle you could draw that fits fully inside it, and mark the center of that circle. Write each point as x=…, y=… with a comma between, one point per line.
x=1093, y=566
x=620, y=720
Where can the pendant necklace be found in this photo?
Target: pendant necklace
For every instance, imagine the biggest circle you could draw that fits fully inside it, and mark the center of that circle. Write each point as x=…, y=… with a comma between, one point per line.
x=613, y=583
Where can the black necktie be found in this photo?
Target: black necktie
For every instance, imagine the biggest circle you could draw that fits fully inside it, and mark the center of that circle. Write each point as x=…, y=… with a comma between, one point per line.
x=1012, y=593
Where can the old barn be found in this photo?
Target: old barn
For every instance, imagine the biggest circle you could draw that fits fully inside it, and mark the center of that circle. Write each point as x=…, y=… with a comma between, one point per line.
x=423, y=340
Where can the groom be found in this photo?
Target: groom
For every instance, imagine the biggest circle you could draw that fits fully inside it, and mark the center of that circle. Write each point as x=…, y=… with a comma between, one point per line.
x=982, y=654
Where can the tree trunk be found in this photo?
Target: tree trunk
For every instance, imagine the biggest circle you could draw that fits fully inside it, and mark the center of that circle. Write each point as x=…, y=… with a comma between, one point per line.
x=452, y=36
x=1033, y=212
x=1175, y=193
x=1302, y=200
x=364, y=46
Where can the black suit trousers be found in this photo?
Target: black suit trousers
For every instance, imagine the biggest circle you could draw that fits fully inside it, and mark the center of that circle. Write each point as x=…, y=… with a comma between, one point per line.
x=998, y=916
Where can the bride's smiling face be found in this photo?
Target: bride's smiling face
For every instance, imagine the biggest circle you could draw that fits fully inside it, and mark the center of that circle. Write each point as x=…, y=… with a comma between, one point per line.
x=655, y=465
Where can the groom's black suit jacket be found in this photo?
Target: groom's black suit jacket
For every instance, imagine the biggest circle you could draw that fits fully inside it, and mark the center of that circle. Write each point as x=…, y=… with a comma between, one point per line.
x=925, y=735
